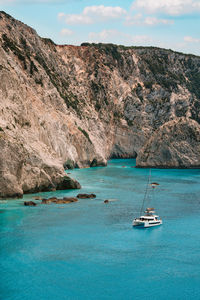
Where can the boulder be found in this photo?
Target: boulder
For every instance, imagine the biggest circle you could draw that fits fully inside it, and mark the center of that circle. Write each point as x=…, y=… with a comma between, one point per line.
x=52, y=199
x=29, y=203
x=59, y=201
x=85, y=196
x=66, y=183
x=45, y=201
x=70, y=199
x=65, y=200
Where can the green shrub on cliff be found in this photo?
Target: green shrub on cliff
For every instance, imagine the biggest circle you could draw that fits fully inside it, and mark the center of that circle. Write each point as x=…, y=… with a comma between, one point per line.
x=8, y=44
x=85, y=134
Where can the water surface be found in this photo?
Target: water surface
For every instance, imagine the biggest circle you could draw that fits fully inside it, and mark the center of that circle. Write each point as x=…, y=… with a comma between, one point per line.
x=89, y=250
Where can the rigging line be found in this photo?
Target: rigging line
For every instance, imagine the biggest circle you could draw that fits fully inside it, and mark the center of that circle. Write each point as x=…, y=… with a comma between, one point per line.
x=146, y=190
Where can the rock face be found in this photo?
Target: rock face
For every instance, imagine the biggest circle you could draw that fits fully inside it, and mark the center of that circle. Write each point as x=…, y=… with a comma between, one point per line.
x=27, y=172
x=78, y=106
x=176, y=144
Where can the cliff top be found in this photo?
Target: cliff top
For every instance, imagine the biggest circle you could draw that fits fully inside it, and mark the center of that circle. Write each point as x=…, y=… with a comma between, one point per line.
x=100, y=46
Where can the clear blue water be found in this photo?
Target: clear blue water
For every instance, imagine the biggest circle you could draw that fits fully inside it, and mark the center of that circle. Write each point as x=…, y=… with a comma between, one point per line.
x=89, y=250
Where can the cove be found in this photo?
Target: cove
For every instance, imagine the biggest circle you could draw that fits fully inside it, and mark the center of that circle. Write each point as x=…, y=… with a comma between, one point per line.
x=89, y=250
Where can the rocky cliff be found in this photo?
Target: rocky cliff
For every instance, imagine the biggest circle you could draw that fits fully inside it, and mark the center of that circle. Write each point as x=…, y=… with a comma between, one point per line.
x=176, y=144
x=78, y=106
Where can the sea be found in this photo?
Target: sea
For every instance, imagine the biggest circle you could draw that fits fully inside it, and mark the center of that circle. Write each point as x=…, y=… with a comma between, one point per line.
x=89, y=250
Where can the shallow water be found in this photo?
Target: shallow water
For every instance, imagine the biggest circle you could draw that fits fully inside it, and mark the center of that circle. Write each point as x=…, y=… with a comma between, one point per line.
x=89, y=250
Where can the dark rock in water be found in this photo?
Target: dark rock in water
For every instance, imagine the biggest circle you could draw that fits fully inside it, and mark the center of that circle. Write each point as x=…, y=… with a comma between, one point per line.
x=106, y=201
x=67, y=183
x=85, y=196
x=49, y=200
x=70, y=199
x=52, y=199
x=59, y=201
x=29, y=203
x=46, y=201
x=66, y=200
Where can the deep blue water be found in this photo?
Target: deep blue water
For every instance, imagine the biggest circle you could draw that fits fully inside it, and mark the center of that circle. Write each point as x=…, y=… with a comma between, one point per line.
x=89, y=250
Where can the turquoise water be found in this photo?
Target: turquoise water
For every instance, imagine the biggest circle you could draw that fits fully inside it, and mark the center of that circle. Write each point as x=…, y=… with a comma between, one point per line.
x=89, y=250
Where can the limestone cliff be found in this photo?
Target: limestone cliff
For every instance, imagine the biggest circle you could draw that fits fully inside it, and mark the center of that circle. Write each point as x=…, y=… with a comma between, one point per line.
x=78, y=106
x=176, y=144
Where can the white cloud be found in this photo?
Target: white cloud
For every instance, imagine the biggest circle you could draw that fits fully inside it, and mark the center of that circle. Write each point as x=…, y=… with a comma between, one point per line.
x=104, y=35
x=190, y=39
x=171, y=7
x=92, y=14
x=61, y=15
x=146, y=21
x=76, y=19
x=105, y=12
x=155, y=21
x=66, y=31
x=118, y=37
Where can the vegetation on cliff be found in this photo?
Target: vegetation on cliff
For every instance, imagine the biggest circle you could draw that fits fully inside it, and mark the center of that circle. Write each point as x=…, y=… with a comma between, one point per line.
x=62, y=104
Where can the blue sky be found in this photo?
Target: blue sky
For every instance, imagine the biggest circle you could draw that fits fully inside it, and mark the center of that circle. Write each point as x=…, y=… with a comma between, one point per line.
x=173, y=24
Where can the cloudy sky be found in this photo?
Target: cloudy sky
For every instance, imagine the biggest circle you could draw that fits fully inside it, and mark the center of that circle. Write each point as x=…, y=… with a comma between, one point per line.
x=173, y=24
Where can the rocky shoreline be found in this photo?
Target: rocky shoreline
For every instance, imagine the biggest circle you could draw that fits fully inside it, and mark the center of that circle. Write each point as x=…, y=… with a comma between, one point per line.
x=65, y=200
x=76, y=106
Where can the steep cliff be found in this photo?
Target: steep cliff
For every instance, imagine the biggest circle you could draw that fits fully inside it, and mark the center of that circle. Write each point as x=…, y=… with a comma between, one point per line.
x=78, y=106
x=176, y=144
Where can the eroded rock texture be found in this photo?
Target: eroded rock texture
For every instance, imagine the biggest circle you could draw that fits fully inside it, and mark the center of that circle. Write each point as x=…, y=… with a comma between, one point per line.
x=78, y=106
x=176, y=144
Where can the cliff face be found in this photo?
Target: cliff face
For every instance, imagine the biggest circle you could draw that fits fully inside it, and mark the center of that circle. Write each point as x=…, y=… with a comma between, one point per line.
x=78, y=106
x=176, y=144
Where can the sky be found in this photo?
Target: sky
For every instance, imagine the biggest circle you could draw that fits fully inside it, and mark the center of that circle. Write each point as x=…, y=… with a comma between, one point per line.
x=170, y=24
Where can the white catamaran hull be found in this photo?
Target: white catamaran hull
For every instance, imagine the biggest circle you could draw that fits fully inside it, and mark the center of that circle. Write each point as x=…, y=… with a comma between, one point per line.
x=145, y=224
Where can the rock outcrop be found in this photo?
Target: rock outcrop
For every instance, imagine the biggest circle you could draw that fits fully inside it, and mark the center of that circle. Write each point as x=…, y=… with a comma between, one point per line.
x=76, y=106
x=176, y=144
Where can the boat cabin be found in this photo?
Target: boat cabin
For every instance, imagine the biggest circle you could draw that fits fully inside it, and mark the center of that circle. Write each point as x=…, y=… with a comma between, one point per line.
x=148, y=218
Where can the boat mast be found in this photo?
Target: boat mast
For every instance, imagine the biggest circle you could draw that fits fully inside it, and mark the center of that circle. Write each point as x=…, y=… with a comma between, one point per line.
x=146, y=192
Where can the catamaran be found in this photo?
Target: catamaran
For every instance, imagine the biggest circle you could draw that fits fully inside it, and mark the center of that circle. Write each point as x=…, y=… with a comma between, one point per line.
x=149, y=219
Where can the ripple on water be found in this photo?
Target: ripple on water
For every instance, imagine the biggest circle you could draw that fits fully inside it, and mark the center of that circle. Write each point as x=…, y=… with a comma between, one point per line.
x=89, y=250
